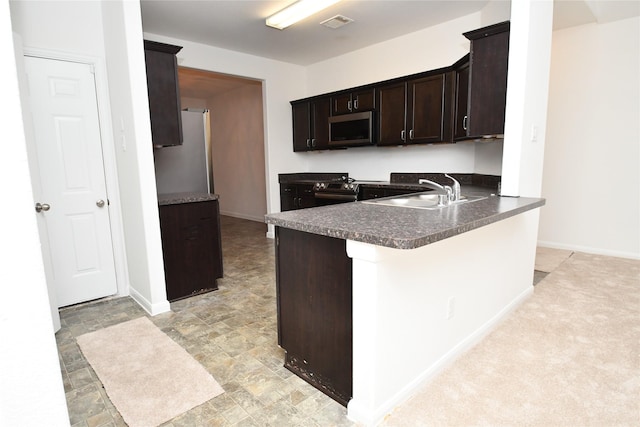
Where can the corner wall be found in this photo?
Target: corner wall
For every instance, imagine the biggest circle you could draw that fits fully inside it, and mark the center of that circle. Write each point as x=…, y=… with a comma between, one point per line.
x=591, y=174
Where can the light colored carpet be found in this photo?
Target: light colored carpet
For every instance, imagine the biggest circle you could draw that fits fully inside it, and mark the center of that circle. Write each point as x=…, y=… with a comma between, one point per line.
x=149, y=378
x=568, y=356
x=548, y=259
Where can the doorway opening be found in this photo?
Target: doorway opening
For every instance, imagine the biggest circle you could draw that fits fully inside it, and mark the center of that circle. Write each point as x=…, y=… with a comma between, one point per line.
x=235, y=107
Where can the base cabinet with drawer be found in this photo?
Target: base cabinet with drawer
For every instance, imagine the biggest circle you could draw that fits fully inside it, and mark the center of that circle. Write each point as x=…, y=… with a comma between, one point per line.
x=191, y=247
x=296, y=196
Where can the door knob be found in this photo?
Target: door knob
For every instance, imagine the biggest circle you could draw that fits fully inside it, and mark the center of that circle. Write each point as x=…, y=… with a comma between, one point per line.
x=42, y=207
x=100, y=203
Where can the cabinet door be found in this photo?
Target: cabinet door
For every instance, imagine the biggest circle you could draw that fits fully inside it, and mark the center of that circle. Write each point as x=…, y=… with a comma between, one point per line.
x=461, y=100
x=288, y=197
x=296, y=196
x=488, y=90
x=321, y=109
x=314, y=297
x=163, y=92
x=426, y=109
x=301, y=126
x=341, y=104
x=191, y=248
x=364, y=100
x=392, y=114
x=306, y=196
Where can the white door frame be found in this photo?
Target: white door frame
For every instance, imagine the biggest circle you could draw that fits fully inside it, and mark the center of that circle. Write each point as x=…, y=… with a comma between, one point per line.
x=108, y=155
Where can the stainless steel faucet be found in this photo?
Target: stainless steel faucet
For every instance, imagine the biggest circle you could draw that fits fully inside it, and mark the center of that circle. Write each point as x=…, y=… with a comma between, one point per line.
x=446, y=193
x=456, y=188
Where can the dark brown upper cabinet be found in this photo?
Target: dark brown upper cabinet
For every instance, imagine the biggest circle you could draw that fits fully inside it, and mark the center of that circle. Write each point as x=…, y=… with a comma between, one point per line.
x=463, y=101
x=460, y=115
x=164, y=93
x=486, y=84
x=416, y=111
x=353, y=102
x=311, y=124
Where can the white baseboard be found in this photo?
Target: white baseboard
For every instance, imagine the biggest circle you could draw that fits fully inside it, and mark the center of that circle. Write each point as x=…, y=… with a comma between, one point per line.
x=589, y=250
x=365, y=415
x=152, y=309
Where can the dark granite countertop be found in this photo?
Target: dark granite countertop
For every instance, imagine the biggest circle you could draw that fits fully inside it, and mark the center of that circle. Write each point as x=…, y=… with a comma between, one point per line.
x=400, y=227
x=178, y=198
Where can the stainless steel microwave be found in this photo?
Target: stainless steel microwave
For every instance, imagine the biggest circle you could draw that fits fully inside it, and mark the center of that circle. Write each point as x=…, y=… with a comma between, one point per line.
x=351, y=129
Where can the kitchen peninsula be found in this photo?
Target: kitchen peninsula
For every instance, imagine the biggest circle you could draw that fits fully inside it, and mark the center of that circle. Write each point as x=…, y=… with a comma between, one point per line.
x=373, y=300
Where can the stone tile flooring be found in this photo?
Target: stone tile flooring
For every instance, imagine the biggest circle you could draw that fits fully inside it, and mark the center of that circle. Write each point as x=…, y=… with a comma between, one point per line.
x=231, y=331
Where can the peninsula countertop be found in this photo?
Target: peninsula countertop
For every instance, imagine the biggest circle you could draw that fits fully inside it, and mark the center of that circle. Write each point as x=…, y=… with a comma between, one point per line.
x=401, y=227
x=179, y=198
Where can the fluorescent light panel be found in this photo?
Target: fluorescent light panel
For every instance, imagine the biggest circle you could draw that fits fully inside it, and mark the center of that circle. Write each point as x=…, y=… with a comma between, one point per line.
x=297, y=12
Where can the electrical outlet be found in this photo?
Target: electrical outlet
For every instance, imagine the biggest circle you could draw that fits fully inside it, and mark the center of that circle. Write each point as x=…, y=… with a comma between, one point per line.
x=451, y=304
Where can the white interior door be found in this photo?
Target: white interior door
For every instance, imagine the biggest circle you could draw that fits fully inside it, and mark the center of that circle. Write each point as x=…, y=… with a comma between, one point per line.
x=71, y=198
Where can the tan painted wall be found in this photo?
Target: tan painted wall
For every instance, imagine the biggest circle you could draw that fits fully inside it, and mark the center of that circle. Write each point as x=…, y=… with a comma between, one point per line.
x=237, y=137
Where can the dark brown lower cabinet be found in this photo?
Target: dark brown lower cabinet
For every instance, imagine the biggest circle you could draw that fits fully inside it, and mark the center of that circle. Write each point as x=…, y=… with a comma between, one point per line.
x=313, y=277
x=191, y=248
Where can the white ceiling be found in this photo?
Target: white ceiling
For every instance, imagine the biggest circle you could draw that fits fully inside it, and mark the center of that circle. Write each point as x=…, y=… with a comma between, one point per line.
x=239, y=24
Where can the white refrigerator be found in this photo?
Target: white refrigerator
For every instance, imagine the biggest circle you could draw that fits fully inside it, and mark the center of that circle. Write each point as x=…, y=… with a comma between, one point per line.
x=187, y=168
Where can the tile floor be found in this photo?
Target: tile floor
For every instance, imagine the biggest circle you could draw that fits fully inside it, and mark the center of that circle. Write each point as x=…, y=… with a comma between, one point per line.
x=231, y=331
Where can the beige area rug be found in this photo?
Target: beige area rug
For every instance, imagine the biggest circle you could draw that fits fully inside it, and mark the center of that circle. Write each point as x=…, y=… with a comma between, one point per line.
x=567, y=357
x=149, y=378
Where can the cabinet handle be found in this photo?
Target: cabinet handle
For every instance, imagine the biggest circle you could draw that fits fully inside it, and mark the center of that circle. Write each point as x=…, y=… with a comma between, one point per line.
x=349, y=104
x=308, y=143
x=355, y=103
x=402, y=135
x=411, y=134
x=313, y=142
x=464, y=123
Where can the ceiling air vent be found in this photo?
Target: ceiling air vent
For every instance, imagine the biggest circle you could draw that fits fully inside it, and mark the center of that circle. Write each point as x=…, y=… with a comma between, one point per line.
x=336, y=22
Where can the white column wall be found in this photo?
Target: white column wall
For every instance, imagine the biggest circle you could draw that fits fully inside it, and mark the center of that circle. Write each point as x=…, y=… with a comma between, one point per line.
x=31, y=389
x=134, y=153
x=527, y=94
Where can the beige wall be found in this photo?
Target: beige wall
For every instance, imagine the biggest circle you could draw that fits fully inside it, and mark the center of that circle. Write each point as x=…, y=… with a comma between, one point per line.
x=237, y=141
x=591, y=177
x=237, y=147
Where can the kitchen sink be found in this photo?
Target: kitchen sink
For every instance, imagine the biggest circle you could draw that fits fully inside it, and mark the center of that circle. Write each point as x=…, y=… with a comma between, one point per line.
x=426, y=200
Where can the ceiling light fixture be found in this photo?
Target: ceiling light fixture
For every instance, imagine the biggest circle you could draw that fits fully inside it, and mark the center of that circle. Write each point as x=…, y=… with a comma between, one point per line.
x=297, y=12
